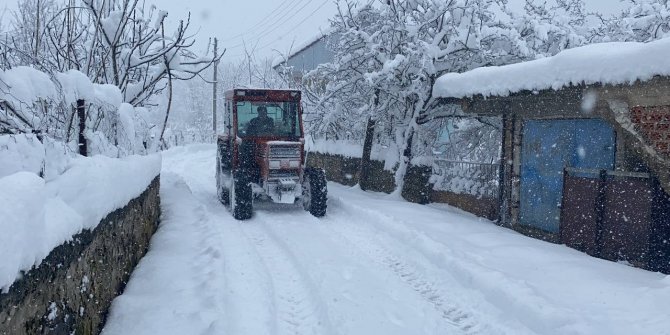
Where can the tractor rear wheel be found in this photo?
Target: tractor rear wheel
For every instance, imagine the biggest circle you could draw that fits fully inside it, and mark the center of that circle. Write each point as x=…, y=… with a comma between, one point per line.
x=314, y=192
x=241, y=196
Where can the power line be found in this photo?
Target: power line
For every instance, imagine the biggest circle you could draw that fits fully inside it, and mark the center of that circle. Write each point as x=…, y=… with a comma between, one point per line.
x=264, y=33
x=277, y=19
x=280, y=8
x=299, y=23
x=283, y=21
x=290, y=30
x=369, y=3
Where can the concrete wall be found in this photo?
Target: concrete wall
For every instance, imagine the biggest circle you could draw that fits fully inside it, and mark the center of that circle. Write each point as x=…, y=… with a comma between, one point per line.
x=72, y=289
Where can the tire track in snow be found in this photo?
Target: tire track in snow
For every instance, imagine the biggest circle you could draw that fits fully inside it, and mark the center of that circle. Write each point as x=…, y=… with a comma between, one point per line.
x=297, y=302
x=370, y=243
x=250, y=301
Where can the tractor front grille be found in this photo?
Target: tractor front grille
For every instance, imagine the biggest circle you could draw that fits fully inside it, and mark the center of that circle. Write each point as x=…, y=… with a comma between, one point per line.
x=285, y=151
x=283, y=174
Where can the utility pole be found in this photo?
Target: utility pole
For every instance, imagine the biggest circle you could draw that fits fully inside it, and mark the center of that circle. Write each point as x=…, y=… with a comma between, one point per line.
x=214, y=84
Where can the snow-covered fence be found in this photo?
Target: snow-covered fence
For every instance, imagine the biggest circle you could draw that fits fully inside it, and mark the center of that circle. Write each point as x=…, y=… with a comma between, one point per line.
x=477, y=179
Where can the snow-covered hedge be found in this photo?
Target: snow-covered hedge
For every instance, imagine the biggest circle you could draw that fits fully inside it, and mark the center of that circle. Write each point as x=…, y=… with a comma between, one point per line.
x=477, y=179
x=39, y=215
x=31, y=100
x=25, y=152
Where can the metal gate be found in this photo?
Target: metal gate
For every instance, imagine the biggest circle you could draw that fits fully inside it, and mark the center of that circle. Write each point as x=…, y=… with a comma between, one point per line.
x=619, y=216
x=549, y=146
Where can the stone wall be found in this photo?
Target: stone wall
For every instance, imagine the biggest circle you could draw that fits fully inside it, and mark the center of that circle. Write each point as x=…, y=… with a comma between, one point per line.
x=417, y=188
x=71, y=291
x=485, y=207
x=346, y=171
x=340, y=169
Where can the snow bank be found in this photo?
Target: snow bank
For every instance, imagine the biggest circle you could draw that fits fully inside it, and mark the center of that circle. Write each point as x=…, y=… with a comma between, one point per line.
x=38, y=216
x=184, y=249
x=607, y=63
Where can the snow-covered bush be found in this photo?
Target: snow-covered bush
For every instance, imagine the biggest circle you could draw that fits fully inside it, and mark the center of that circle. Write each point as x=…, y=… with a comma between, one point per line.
x=119, y=43
x=33, y=101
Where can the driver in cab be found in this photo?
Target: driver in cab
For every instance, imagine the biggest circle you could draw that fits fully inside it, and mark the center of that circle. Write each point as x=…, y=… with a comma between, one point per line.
x=262, y=124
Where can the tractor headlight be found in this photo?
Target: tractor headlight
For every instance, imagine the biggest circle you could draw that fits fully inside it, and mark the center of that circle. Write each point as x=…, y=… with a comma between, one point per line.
x=274, y=164
x=294, y=164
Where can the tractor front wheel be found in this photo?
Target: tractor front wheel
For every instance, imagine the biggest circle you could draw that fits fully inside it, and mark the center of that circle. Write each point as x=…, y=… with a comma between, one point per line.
x=314, y=192
x=241, y=196
x=222, y=190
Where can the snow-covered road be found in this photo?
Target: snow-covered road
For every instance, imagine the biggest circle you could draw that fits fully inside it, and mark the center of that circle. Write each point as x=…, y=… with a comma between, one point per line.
x=373, y=265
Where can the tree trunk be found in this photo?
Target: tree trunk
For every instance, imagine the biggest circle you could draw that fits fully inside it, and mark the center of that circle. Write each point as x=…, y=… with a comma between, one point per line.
x=364, y=175
x=169, y=106
x=405, y=159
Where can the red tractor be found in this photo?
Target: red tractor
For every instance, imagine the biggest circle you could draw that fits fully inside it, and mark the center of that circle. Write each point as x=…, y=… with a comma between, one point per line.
x=261, y=155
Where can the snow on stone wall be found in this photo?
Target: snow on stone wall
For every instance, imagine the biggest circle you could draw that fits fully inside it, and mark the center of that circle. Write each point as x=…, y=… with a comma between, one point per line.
x=606, y=63
x=39, y=215
x=387, y=153
x=350, y=149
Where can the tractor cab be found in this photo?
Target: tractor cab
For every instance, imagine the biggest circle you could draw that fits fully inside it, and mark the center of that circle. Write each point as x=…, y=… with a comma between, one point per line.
x=260, y=155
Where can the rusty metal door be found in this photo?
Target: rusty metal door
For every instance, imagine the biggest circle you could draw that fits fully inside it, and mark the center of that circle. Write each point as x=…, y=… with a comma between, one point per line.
x=549, y=146
x=619, y=216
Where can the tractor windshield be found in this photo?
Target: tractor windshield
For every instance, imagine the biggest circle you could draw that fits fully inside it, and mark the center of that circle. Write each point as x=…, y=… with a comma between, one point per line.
x=275, y=119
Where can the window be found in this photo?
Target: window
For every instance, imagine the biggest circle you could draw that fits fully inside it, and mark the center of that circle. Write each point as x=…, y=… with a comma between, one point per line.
x=283, y=119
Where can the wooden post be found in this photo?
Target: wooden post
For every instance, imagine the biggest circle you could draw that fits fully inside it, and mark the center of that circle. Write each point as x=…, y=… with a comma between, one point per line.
x=214, y=85
x=81, y=112
x=505, y=170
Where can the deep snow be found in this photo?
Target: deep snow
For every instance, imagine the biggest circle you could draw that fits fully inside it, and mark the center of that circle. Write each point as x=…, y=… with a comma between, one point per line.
x=373, y=265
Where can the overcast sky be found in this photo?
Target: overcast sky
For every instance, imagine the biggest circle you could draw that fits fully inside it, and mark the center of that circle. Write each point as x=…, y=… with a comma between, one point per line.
x=271, y=26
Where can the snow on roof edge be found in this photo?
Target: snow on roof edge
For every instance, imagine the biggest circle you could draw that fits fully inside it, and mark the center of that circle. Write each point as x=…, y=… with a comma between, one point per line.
x=607, y=63
x=323, y=33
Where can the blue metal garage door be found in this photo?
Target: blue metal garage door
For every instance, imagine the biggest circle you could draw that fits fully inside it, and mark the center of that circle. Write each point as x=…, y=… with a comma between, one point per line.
x=548, y=147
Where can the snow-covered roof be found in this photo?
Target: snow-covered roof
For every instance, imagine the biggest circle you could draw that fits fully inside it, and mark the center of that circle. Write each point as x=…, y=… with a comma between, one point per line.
x=603, y=63
x=302, y=46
